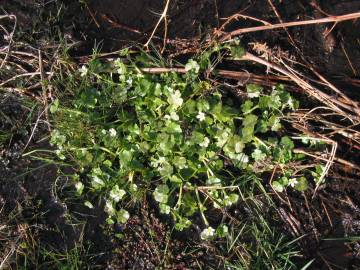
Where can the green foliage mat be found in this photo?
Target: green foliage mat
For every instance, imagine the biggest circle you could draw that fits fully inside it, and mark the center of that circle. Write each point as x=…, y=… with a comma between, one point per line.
x=127, y=132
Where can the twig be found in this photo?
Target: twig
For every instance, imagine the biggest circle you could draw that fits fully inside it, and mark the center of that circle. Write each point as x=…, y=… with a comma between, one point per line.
x=121, y=26
x=348, y=59
x=340, y=18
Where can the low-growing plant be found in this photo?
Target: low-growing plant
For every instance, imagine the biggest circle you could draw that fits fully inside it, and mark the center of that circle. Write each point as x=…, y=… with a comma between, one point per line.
x=127, y=131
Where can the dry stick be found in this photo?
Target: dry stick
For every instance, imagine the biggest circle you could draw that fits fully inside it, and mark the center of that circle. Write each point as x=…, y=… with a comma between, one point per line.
x=121, y=26
x=163, y=15
x=340, y=18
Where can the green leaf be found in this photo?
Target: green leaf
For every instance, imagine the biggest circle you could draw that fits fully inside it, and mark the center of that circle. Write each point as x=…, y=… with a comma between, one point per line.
x=277, y=186
x=262, y=126
x=203, y=105
x=274, y=123
x=161, y=194
x=197, y=137
x=125, y=157
x=182, y=224
x=175, y=179
x=180, y=162
x=192, y=66
x=258, y=155
x=247, y=134
x=166, y=169
x=173, y=127
x=222, y=231
x=264, y=102
x=116, y=193
x=247, y=106
x=164, y=208
x=302, y=184
x=250, y=120
x=287, y=143
x=213, y=180
x=89, y=98
x=54, y=106
x=122, y=216
x=253, y=90
x=233, y=198
x=88, y=204
x=237, y=51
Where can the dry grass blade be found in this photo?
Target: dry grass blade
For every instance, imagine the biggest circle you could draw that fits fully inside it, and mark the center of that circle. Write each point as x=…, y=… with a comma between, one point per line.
x=162, y=17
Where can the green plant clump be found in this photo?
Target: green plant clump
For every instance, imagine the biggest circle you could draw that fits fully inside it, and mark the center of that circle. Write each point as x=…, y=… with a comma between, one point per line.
x=128, y=132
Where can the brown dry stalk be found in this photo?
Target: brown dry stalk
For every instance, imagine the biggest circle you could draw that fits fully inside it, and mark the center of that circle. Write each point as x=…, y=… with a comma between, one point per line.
x=340, y=18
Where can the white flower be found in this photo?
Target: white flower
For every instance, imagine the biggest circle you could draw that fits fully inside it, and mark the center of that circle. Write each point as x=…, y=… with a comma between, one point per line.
x=205, y=142
x=175, y=99
x=207, y=233
x=112, y=132
x=293, y=182
x=201, y=116
x=83, y=71
x=103, y=131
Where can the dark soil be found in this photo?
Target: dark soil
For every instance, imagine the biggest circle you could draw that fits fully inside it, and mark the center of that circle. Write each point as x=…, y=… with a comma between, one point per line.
x=28, y=187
